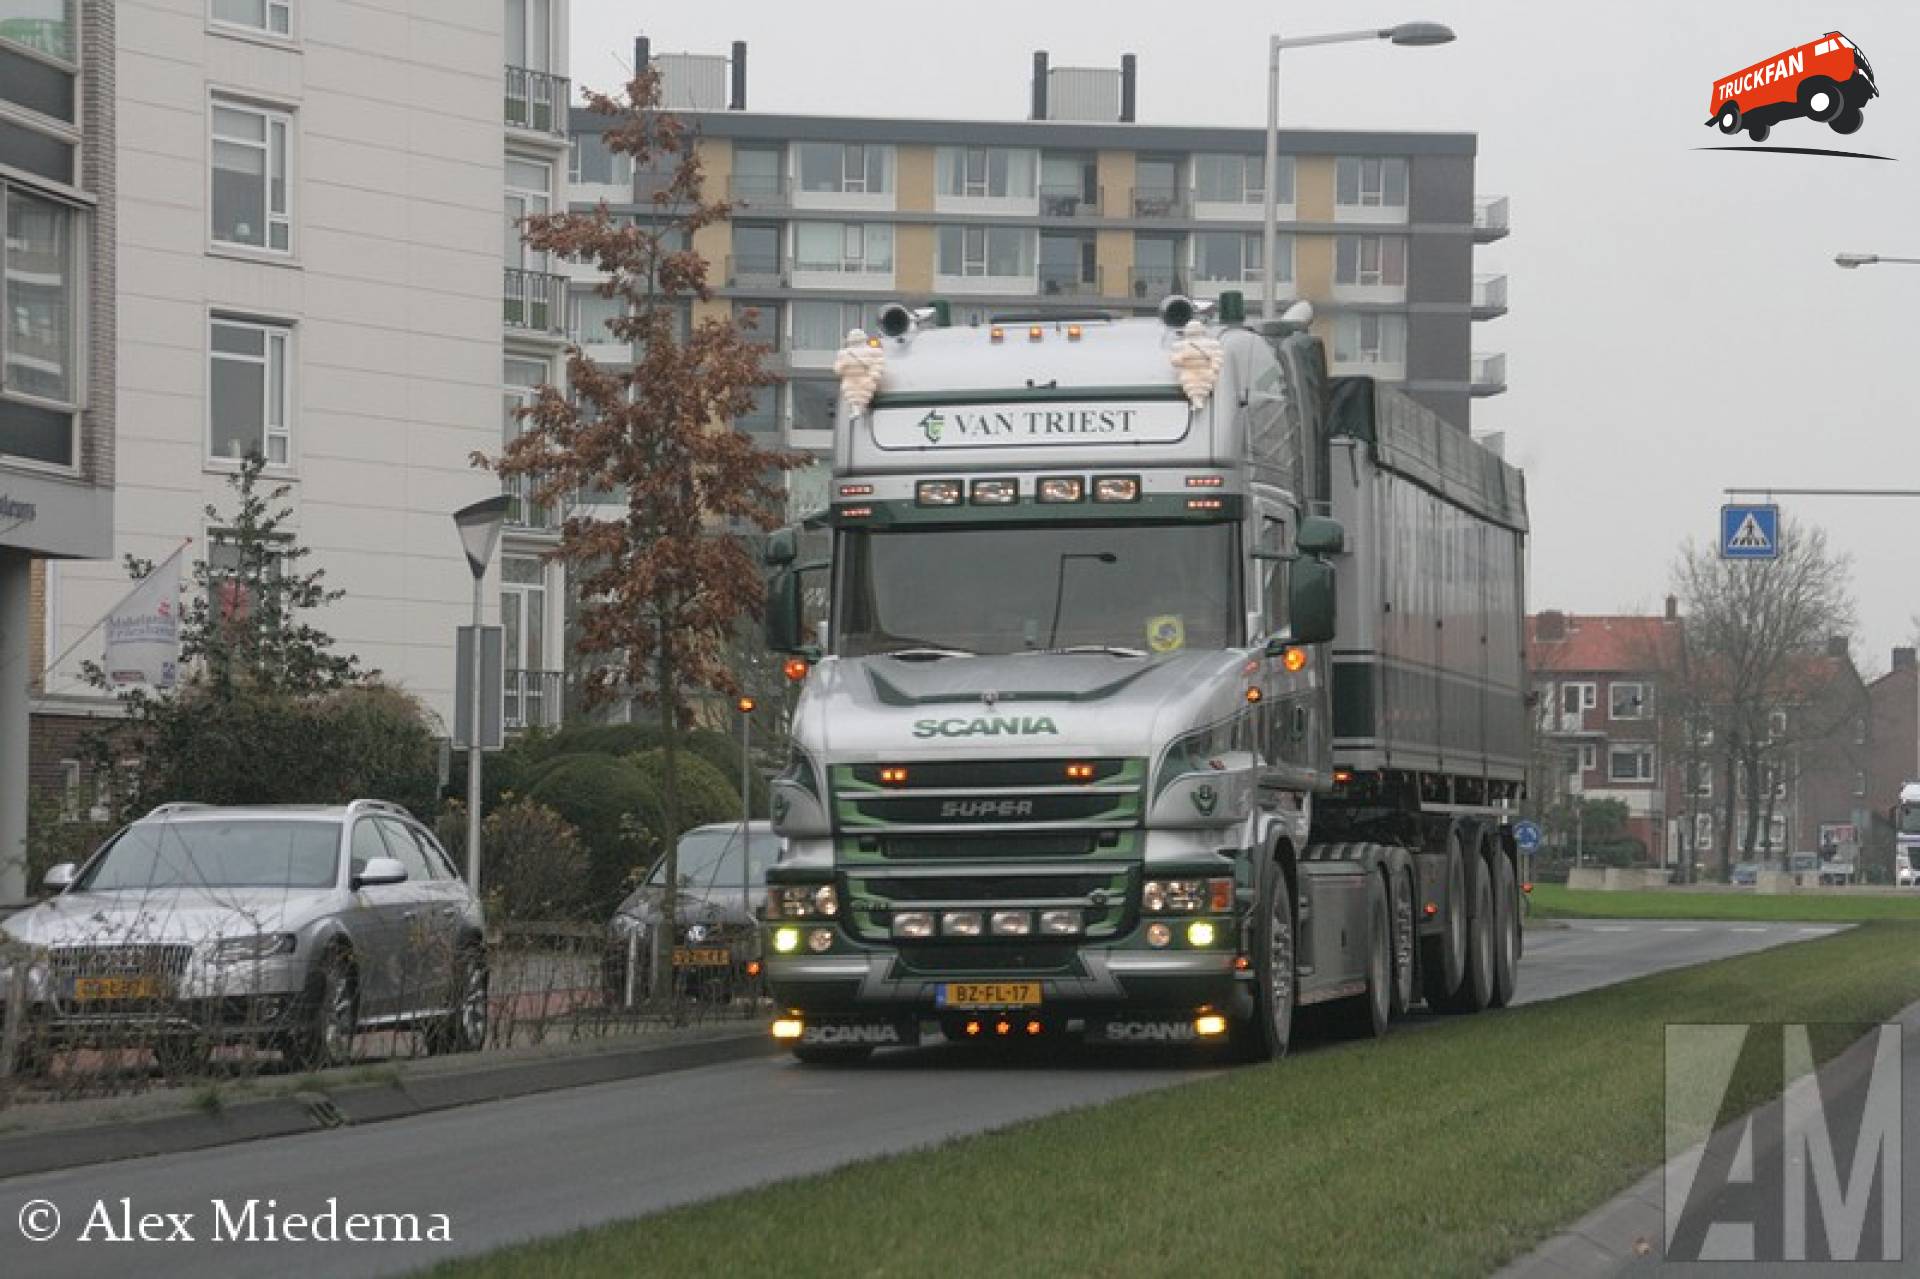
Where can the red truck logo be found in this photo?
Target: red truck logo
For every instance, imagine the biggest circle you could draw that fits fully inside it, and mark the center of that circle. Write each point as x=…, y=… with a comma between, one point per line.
x=1826, y=80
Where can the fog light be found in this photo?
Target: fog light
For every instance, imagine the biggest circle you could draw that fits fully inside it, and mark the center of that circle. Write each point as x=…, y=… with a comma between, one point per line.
x=1012, y=923
x=937, y=493
x=1158, y=934
x=786, y=940
x=913, y=923
x=996, y=492
x=1062, y=488
x=788, y=1028
x=1200, y=933
x=961, y=923
x=1060, y=923
x=820, y=939
x=1209, y=1024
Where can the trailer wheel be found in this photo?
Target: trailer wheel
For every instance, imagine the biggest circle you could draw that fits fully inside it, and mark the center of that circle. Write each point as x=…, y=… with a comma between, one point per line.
x=1366, y=1015
x=1403, y=944
x=1476, y=985
x=1443, y=958
x=1848, y=121
x=1820, y=98
x=1506, y=945
x=1729, y=118
x=1266, y=1034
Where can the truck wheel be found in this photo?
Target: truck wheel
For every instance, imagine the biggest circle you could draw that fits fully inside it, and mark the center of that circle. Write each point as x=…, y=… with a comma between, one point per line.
x=1758, y=131
x=1267, y=1033
x=1848, y=121
x=1443, y=958
x=1476, y=986
x=1403, y=945
x=1365, y=1016
x=837, y=1055
x=1820, y=98
x=1506, y=924
x=1729, y=118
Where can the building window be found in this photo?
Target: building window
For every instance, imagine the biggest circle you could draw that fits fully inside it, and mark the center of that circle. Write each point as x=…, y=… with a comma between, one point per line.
x=45, y=26
x=252, y=198
x=759, y=323
x=1240, y=179
x=1776, y=725
x=592, y=160
x=275, y=17
x=1860, y=731
x=1701, y=731
x=1630, y=764
x=1776, y=779
x=843, y=247
x=592, y=313
x=70, y=782
x=530, y=34
x=999, y=251
x=529, y=195
x=1370, y=182
x=1370, y=260
x=987, y=172
x=1370, y=338
x=1700, y=780
x=1859, y=783
x=1234, y=257
x=1575, y=698
x=523, y=611
x=846, y=168
x=1629, y=701
x=813, y=403
x=756, y=172
x=823, y=326
x=764, y=417
x=248, y=399
x=40, y=292
x=1589, y=756
x=1703, y=830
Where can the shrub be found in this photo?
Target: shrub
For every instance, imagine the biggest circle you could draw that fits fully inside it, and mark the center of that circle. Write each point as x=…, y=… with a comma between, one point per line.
x=705, y=793
x=533, y=865
x=615, y=809
x=718, y=749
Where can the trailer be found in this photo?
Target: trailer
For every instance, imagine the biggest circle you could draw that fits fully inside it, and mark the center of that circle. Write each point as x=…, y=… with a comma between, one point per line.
x=1169, y=686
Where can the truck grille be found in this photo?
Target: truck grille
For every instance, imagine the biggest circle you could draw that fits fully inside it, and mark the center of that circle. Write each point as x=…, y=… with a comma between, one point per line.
x=1032, y=797
x=1076, y=843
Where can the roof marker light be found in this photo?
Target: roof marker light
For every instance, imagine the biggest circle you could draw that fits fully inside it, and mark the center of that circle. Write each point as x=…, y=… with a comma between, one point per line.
x=1035, y=332
x=1062, y=488
x=996, y=333
x=1073, y=333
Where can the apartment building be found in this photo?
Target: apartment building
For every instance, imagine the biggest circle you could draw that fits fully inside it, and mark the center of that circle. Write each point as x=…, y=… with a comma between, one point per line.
x=57, y=206
x=1080, y=207
x=316, y=266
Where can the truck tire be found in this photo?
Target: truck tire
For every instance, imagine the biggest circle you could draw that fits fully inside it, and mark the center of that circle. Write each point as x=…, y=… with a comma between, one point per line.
x=1820, y=98
x=1404, y=943
x=835, y=1055
x=1267, y=1033
x=1443, y=957
x=1758, y=130
x=1729, y=118
x=1848, y=121
x=1506, y=942
x=1475, y=991
x=1366, y=1015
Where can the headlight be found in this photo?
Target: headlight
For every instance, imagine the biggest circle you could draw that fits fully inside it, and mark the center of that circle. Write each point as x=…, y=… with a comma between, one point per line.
x=1172, y=896
x=264, y=946
x=802, y=901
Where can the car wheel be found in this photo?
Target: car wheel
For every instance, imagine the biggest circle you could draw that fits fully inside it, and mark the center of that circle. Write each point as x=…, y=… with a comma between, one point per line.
x=1848, y=121
x=1729, y=118
x=333, y=1015
x=464, y=1028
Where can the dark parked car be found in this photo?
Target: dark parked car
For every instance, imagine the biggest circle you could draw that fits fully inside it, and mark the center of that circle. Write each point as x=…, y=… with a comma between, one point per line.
x=716, y=943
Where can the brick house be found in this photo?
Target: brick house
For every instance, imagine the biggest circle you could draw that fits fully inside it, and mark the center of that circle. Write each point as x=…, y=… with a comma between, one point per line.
x=1894, y=711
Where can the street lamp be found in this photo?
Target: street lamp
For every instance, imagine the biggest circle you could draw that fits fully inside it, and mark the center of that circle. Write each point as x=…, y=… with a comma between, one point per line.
x=479, y=526
x=745, y=705
x=1853, y=260
x=1407, y=33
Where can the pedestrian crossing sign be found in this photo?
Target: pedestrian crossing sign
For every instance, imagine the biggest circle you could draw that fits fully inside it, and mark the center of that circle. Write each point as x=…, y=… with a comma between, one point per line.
x=1750, y=532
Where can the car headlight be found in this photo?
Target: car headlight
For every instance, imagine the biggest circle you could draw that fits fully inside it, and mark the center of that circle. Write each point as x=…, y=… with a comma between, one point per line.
x=263, y=946
x=802, y=901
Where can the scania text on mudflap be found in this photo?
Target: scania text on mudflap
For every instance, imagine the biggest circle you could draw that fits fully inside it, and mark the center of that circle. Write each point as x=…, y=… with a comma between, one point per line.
x=1157, y=685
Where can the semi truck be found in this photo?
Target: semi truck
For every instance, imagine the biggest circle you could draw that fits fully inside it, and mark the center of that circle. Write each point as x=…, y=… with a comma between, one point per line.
x=1906, y=836
x=1164, y=686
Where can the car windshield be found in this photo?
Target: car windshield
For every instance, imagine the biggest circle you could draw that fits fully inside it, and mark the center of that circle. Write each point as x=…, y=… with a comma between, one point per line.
x=1145, y=587
x=710, y=859
x=1910, y=819
x=217, y=854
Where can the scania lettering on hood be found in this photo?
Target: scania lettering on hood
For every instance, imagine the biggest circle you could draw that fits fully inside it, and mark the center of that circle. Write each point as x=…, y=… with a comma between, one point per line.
x=997, y=726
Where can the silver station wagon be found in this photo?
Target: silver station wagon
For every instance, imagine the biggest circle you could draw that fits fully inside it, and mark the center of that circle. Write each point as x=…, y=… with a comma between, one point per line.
x=290, y=927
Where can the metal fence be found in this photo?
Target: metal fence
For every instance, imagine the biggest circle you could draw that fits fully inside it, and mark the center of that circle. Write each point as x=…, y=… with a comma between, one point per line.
x=537, y=100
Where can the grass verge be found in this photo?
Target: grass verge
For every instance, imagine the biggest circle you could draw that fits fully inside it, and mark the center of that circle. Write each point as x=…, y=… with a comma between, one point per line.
x=1556, y=901
x=1449, y=1150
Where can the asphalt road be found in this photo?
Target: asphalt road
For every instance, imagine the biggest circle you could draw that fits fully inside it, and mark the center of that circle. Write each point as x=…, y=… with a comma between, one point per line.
x=548, y=1164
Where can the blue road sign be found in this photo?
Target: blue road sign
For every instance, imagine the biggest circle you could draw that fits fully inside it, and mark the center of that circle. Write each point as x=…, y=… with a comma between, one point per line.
x=1527, y=836
x=1750, y=532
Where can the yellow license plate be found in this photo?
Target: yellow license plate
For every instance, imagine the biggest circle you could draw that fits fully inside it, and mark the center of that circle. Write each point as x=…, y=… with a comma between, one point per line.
x=701, y=957
x=989, y=994
x=88, y=989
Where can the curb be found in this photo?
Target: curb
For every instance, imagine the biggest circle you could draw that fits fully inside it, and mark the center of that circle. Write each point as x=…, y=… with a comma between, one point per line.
x=364, y=1103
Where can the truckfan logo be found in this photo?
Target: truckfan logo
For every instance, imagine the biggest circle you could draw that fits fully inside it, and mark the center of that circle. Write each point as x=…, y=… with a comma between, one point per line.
x=1827, y=81
x=934, y=425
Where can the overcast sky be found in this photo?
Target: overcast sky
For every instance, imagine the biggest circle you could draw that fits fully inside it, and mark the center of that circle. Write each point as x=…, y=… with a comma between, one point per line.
x=1677, y=324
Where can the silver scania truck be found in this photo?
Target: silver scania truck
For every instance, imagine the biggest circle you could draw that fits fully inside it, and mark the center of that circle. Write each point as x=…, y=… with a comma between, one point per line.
x=1166, y=686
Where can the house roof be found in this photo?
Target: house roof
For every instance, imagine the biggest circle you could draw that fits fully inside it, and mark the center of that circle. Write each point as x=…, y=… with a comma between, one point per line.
x=1603, y=644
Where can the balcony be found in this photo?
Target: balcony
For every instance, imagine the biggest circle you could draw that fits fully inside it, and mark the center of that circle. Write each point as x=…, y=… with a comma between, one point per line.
x=538, y=101
x=752, y=192
x=1490, y=219
x=536, y=302
x=1158, y=202
x=1150, y=284
x=756, y=271
x=1489, y=296
x=1058, y=281
x=534, y=699
x=523, y=512
x=1068, y=202
x=1489, y=374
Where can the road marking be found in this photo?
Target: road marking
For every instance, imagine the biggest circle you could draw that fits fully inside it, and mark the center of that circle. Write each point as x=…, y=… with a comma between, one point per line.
x=1820, y=932
x=1613, y=928
x=1747, y=929
x=1679, y=930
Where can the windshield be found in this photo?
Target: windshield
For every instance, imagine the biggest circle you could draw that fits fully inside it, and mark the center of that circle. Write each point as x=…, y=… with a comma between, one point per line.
x=1910, y=819
x=711, y=859
x=217, y=854
x=1144, y=587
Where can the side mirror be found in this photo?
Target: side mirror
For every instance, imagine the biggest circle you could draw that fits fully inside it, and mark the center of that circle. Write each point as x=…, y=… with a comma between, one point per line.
x=60, y=878
x=781, y=548
x=1320, y=535
x=1311, y=605
x=380, y=870
x=783, y=611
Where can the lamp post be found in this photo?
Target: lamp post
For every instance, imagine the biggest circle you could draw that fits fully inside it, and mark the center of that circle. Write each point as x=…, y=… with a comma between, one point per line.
x=1407, y=33
x=479, y=526
x=745, y=706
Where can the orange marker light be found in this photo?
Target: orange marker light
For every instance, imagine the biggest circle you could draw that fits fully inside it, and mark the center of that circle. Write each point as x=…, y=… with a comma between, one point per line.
x=745, y=705
x=973, y=1028
x=1241, y=963
x=1341, y=776
x=1033, y=1028
x=1035, y=333
x=995, y=333
x=753, y=968
x=1003, y=1028
x=1430, y=910
x=1205, y=481
x=893, y=776
x=1294, y=659
x=873, y=341
x=1220, y=895
x=1253, y=695
x=1073, y=333
x=1079, y=772
x=856, y=490
x=1526, y=888
x=796, y=669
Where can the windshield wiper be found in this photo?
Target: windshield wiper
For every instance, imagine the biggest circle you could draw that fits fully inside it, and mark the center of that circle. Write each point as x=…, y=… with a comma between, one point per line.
x=1112, y=650
x=926, y=653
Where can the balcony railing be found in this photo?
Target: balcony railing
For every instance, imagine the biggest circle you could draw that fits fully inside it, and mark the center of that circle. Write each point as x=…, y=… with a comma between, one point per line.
x=1489, y=296
x=1068, y=202
x=757, y=271
x=1489, y=374
x=1158, y=202
x=537, y=100
x=534, y=699
x=1150, y=284
x=1057, y=281
x=759, y=192
x=536, y=301
x=522, y=511
x=1490, y=218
